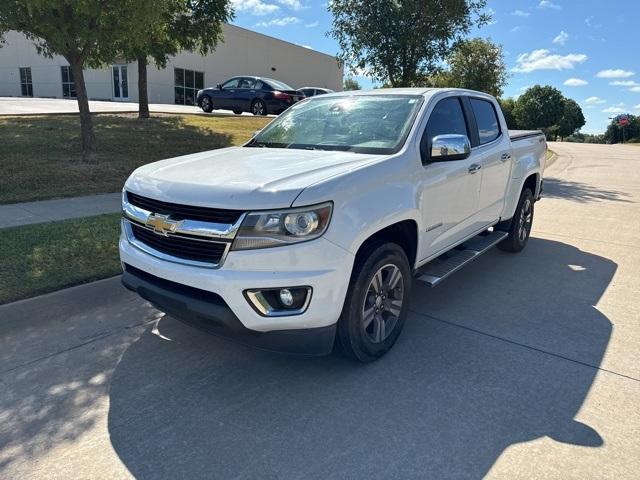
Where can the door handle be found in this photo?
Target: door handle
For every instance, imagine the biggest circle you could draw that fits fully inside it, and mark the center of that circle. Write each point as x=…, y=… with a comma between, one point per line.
x=474, y=168
x=505, y=157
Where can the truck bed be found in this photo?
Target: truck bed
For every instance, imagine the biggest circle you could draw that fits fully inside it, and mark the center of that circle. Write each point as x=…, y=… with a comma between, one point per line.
x=520, y=134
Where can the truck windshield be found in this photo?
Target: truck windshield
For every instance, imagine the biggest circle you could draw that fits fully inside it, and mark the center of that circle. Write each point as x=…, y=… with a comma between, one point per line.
x=376, y=124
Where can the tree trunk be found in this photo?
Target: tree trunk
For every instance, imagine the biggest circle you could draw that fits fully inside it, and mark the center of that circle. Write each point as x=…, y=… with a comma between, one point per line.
x=143, y=94
x=86, y=122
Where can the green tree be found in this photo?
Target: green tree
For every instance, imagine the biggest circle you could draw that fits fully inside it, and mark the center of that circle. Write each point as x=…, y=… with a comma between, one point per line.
x=508, y=105
x=401, y=41
x=615, y=134
x=84, y=32
x=193, y=25
x=351, y=83
x=477, y=64
x=572, y=119
x=539, y=107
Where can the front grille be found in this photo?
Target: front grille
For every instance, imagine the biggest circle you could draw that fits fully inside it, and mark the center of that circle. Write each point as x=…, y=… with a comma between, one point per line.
x=181, y=246
x=181, y=212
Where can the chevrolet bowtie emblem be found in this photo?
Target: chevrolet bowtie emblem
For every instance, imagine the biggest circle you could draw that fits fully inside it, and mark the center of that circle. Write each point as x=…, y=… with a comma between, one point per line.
x=161, y=224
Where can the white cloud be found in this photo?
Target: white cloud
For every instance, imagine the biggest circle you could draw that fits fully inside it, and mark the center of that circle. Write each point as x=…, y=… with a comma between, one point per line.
x=292, y=4
x=590, y=22
x=542, y=60
x=575, y=82
x=279, y=22
x=255, y=7
x=520, y=13
x=517, y=28
x=594, y=101
x=619, y=108
x=624, y=83
x=615, y=73
x=637, y=107
x=562, y=38
x=548, y=4
x=312, y=24
x=635, y=89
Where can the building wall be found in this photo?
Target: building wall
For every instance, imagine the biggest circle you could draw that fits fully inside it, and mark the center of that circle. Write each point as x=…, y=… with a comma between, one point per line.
x=243, y=52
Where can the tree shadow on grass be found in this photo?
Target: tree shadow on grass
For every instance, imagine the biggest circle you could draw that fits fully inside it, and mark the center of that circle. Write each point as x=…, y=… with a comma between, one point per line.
x=581, y=192
x=489, y=359
x=40, y=156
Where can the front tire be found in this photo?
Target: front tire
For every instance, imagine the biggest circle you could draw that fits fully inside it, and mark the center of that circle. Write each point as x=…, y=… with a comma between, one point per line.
x=376, y=305
x=206, y=104
x=519, y=227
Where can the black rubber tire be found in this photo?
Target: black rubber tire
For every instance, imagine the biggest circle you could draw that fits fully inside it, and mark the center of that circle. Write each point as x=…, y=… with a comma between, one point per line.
x=238, y=112
x=513, y=243
x=351, y=339
x=209, y=107
x=255, y=110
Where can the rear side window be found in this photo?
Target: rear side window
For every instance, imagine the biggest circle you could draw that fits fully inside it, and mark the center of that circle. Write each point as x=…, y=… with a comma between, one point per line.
x=487, y=120
x=247, y=83
x=447, y=118
x=262, y=86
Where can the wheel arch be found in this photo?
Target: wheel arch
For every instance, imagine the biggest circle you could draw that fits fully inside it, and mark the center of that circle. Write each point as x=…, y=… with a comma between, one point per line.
x=404, y=233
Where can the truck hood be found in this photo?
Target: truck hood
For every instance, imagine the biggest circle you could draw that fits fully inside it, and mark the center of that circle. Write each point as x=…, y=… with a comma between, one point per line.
x=241, y=178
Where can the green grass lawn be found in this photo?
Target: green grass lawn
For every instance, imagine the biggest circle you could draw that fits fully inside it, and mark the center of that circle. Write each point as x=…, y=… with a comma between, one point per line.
x=40, y=155
x=41, y=258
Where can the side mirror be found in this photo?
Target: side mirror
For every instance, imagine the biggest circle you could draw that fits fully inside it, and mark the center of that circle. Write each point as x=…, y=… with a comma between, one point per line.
x=449, y=147
x=219, y=86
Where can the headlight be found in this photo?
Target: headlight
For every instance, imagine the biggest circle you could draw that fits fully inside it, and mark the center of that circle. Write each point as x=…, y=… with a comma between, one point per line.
x=282, y=227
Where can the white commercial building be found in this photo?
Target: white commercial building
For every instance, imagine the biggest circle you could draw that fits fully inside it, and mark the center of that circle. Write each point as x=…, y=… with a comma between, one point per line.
x=25, y=73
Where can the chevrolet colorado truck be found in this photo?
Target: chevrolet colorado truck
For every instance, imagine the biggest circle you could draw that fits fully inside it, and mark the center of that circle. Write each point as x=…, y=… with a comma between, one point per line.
x=310, y=235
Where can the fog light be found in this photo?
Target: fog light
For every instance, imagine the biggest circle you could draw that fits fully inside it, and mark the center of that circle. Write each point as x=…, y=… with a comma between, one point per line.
x=286, y=297
x=279, y=302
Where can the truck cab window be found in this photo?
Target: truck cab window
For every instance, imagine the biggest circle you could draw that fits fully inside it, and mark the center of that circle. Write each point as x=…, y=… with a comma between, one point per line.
x=487, y=120
x=446, y=118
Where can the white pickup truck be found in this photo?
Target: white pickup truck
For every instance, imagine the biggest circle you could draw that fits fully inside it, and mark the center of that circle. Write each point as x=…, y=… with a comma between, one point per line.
x=311, y=234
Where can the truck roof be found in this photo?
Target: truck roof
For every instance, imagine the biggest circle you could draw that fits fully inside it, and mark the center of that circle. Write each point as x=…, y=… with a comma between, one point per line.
x=408, y=91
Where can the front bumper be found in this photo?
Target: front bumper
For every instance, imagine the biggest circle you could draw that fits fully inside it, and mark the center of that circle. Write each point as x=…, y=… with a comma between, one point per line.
x=210, y=313
x=320, y=264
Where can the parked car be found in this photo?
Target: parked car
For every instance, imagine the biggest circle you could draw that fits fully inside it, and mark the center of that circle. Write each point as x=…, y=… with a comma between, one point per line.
x=257, y=95
x=314, y=91
x=313, y=232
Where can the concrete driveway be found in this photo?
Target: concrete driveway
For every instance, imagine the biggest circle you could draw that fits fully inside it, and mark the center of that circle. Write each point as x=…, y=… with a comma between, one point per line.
x=519, y=366
x=39, y=106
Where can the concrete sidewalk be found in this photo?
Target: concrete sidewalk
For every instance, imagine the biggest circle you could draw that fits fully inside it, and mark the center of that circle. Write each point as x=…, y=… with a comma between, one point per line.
x=42, y=106
x=27, y=213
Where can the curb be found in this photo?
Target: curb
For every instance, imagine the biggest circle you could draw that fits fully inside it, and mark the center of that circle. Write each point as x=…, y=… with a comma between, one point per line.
x=23, y=301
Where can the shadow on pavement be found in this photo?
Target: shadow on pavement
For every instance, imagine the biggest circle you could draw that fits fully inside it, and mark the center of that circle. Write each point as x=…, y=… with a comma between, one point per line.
x=580, y=192
x=468, y=378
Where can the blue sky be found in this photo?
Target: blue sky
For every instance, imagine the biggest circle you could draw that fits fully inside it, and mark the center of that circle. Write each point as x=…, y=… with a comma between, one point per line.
x=586, y=48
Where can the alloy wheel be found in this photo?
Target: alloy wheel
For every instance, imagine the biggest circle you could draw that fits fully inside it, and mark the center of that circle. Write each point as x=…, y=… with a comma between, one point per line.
x=383, y=303
x=525, y=221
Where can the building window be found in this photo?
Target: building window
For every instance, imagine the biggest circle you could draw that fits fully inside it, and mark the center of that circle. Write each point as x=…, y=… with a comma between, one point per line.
x=187, y=83
x=68, y=84
x=26, y=85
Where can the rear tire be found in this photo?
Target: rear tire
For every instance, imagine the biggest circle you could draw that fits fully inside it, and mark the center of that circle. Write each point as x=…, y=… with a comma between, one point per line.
x=519, y=227
x=258, y=107
x=376, y=305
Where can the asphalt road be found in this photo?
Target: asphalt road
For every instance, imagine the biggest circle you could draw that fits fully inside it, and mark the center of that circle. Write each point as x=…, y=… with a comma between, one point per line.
x=519, y=366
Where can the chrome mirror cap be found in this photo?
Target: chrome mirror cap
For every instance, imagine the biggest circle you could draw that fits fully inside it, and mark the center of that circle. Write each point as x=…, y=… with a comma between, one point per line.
x=450, y=147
